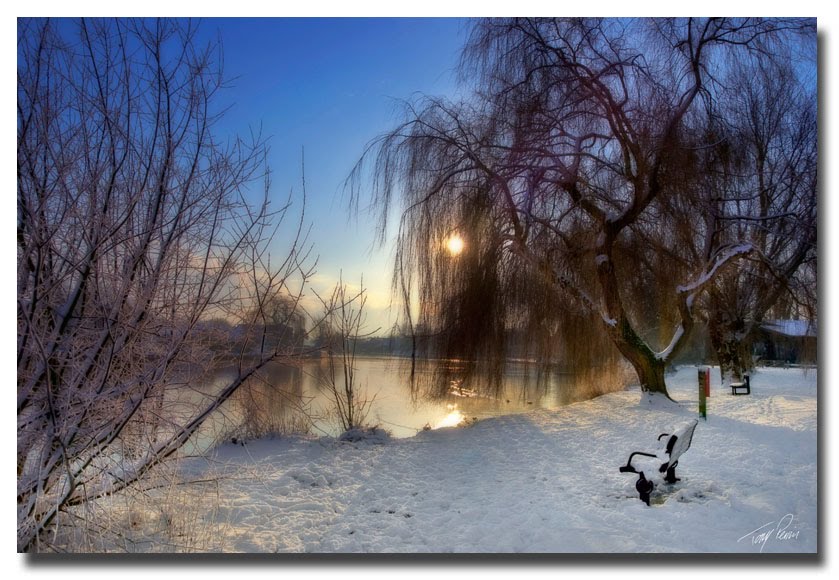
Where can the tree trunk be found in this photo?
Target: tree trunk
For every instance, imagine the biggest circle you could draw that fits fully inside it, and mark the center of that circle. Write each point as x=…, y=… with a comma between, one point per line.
x=731, y=350
x=728, y=333
x=648, y=367
x=651, y=375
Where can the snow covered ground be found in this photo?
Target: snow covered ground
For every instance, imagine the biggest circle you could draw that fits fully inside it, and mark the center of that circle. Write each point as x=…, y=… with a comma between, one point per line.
x=543, y=481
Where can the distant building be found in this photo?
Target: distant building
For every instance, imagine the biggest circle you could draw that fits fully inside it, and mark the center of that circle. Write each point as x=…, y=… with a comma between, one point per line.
x=787, y=342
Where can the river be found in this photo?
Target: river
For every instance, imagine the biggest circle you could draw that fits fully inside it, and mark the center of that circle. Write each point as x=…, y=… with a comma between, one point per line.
x=287, y=398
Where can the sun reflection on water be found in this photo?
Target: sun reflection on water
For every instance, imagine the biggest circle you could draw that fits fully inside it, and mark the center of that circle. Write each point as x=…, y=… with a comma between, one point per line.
x=453, y=419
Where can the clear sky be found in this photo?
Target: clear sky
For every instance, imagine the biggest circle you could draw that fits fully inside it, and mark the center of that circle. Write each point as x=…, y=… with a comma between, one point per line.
x=327, y=86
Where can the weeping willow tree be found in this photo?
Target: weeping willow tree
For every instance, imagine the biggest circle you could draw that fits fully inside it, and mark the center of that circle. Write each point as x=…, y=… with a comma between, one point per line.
x=482, y=306
x=559, y=172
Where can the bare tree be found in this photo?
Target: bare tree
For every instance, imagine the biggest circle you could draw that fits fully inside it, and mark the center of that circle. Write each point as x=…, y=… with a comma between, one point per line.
x=557, y=166
x=133, y=229
x=342, y=326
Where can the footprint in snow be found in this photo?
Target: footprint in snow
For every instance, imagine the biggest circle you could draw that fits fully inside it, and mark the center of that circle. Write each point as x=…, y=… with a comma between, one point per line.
x=391, y=512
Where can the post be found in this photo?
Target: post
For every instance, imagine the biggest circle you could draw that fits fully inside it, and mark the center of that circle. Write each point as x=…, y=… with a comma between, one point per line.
x=708, y=382
x=703, y=385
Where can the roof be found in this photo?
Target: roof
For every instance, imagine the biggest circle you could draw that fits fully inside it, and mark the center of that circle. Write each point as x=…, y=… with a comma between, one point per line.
x=791, y=327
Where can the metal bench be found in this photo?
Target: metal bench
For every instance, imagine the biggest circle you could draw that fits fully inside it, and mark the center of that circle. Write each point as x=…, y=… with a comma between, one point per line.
x=677, y=443
x=745, y=387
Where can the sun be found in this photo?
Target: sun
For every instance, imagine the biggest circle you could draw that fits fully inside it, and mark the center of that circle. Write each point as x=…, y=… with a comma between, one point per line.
x=454, y=245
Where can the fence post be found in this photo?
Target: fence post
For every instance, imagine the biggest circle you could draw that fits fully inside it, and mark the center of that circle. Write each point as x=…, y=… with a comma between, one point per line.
x=704, y=384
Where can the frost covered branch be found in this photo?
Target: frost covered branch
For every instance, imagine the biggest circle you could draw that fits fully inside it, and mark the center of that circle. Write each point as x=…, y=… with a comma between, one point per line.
x=137, y=247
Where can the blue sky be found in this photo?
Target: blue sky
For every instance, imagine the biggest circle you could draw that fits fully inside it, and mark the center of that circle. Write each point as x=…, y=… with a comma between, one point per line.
x=327, y=86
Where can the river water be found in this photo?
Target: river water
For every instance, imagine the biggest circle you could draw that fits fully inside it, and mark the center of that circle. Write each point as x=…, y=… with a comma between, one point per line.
x=286, y=398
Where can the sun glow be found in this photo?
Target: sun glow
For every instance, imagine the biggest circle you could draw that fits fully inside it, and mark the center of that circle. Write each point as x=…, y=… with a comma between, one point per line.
x=454, y=245
x=453, y=419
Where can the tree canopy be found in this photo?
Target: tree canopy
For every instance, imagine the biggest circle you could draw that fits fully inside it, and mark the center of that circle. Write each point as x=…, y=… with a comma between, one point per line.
x=575, y=172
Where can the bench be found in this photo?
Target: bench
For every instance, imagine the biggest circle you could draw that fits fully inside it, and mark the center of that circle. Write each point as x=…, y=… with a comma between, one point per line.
x=677, y=443
x=745, y=387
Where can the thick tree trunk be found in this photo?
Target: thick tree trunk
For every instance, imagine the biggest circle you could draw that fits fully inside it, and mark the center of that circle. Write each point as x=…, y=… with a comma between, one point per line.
x=731, y=350
x=651, y=375
x=728, y=332
x=648, y=367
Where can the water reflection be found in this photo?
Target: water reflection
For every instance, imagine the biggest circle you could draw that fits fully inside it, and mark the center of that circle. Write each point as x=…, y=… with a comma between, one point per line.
x=453, y=419
x=285, y=398
x=272, y=402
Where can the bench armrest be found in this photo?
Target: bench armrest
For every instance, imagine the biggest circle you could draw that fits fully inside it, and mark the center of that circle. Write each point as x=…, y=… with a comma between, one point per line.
x=628, y=468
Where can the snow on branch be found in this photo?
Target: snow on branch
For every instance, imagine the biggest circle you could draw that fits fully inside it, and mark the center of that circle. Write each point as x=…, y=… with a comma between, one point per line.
x=688, y=292
x=668, y=351
x=722, y=257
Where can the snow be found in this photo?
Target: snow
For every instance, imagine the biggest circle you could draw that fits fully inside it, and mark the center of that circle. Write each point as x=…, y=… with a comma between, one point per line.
x=542, y=481
x=677, y=336
x=720, y=259
x=791, y=327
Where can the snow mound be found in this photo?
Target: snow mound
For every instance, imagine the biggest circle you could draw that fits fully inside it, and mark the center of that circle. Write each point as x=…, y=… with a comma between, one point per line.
x=371, y=435
x=658, y=402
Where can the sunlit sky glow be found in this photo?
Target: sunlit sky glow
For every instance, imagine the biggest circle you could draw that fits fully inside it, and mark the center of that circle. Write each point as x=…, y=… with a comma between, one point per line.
x=322, y=89
x=455, y=244
x=327, y=86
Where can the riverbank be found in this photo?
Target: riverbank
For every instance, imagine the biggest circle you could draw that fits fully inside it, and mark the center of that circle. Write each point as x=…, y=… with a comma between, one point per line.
x=542, y=481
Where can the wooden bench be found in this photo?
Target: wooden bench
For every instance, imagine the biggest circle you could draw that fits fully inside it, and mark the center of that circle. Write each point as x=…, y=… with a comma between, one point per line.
x=745, y=387
x=677, y=443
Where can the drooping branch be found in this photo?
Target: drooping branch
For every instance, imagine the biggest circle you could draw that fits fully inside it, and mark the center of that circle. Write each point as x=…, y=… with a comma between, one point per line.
x=574, y=172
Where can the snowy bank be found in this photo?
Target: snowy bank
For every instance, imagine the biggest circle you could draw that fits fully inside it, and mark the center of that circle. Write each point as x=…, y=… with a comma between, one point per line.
x=544, y=481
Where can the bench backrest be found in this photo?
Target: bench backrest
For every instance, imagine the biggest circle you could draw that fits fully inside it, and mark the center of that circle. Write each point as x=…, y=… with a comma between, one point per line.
x=679, y=441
